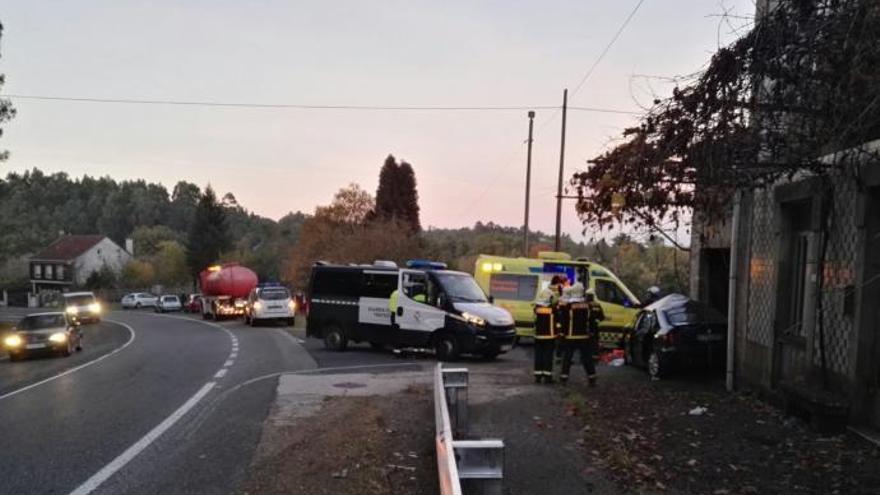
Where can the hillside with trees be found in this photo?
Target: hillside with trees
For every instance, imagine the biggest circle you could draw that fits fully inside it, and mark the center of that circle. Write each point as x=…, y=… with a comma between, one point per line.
x=35, y=208
x=177, y=234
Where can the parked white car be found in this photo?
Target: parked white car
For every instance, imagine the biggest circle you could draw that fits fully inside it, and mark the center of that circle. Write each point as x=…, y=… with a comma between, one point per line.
x=168, y=303
x=139, y=300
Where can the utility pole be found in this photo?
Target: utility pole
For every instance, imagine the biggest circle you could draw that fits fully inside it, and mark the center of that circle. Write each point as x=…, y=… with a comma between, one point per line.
x=561, y=173
x=528, y=185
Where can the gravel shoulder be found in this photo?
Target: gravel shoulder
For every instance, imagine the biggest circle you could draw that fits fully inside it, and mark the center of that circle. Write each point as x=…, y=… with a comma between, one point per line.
x=348, y=434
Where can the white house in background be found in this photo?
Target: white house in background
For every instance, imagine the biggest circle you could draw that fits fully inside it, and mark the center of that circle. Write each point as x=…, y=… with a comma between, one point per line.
x=70, y=260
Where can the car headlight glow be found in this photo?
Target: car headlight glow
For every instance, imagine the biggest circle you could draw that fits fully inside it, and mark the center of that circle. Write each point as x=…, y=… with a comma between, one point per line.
x=95, y=307
x=292, y=305
x=72, y=310
x=474, y=319
x=258, y=305
x=12, y=341
x=58, y=337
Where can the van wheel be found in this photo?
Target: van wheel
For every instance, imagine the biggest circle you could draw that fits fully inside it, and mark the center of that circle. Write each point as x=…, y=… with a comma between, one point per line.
x=446, y=347
x=335, y=339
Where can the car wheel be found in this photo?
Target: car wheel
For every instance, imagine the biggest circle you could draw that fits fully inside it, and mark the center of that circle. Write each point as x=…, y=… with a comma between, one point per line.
x=291, y=322
x=657, y=366
x=137, y=305
x=335, y=339
x=446, y=346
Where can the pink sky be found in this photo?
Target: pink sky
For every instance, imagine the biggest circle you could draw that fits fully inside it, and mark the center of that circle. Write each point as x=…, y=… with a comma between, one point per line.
x=470, y=165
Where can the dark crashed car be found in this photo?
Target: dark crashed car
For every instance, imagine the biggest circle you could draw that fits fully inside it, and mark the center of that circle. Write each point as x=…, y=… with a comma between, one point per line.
x=676, y=333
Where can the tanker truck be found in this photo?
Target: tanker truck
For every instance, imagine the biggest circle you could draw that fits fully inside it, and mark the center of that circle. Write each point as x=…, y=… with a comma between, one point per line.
x=225, y=289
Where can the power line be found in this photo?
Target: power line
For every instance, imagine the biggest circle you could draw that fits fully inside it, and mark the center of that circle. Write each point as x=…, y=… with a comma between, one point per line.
x=598, y=60
x=608, y=47
x=298, y=106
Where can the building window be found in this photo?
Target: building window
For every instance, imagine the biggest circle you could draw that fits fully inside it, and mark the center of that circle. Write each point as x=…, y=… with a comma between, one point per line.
x=59, y=272
x=50, y=274
x=38, y=270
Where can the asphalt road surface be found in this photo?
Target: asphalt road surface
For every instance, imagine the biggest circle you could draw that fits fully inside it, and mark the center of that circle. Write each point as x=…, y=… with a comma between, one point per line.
x=153, y=404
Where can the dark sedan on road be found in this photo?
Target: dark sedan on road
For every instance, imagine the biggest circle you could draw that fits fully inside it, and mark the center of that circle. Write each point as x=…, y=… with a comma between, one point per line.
x=43, y=333
x=675, y=333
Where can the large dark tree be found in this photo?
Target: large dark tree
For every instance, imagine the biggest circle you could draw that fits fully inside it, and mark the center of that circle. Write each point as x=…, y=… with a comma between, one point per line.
x=6, y=110
x=397, y=198
x=208, y=236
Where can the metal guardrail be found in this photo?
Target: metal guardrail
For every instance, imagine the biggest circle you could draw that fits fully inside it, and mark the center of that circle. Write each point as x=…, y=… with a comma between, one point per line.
x=471, y=467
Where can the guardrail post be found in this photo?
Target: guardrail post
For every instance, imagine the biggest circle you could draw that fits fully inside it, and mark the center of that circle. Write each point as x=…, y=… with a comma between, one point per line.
x=455, y=383
x=480, y=466
x=472, y=467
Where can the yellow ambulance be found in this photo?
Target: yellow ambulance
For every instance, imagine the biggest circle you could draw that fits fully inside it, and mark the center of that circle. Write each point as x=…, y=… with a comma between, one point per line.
x=514, y=283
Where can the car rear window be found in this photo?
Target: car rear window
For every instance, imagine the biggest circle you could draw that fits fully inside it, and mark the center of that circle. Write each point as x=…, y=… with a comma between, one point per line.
x=274, y=294
x=170, y=299
x=692, y=314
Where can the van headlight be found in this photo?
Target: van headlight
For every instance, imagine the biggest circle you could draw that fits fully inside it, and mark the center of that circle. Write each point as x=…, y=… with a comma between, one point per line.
x=95, y=307
x=258, y=305
x=12, y=341
x=72, y=310
x=58, y=337
x=474, y=319
x=292, y=305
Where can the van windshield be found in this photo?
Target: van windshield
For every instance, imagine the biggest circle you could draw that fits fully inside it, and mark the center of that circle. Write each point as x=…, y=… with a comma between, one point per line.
x=460, y=287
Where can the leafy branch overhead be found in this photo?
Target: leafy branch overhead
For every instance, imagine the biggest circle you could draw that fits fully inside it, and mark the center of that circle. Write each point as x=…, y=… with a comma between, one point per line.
x=802, y=84
x=7, y=112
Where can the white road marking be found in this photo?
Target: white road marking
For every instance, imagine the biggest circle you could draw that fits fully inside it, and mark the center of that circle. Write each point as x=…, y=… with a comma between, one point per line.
x=77, y=368
x=228, y=362
x=233, y=355
x=130, y=453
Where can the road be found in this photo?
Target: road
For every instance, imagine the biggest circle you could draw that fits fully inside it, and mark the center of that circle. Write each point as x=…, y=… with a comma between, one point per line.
x=153, y=404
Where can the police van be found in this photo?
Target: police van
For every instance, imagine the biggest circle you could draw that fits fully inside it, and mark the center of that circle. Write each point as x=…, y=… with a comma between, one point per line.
x=437, y=308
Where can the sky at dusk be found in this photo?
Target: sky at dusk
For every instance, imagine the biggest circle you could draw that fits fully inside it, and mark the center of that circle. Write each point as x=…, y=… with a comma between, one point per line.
x=470, y=165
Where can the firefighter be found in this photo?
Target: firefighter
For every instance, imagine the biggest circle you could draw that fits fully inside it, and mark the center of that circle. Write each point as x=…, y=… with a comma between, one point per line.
x=576, y=333
x=594, y=316
x=545, y=334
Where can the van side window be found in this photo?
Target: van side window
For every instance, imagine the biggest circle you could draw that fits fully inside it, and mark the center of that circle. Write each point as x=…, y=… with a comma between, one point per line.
x=610, y=292
x=337, y=283
x=379, y=285
x=415, y=286
x=513, y=287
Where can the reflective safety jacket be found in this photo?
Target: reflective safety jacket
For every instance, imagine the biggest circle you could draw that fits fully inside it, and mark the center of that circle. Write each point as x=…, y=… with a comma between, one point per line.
x=577, y=321
x=595, y=316
x=545, y=322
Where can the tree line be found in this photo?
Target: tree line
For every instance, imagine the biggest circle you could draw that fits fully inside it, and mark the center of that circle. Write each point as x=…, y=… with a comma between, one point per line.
x=178, y=234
